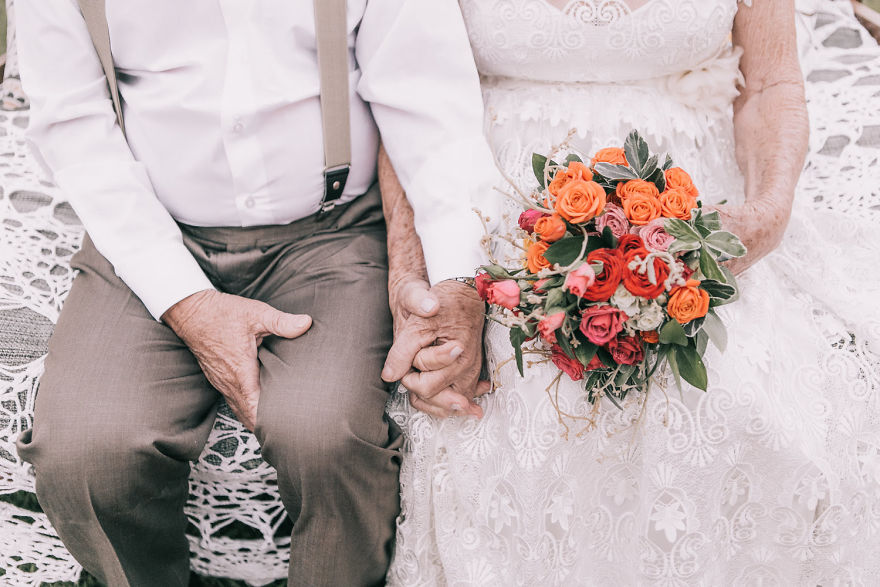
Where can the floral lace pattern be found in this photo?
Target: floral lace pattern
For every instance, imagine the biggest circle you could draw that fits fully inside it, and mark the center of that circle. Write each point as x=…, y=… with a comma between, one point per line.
x=770, y=478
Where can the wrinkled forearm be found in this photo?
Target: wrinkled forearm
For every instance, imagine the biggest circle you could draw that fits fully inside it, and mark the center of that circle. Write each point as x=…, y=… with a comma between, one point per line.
x=405, y=257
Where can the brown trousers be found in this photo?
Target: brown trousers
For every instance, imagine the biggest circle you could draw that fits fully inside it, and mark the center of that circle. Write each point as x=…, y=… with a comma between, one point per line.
x=123, y=406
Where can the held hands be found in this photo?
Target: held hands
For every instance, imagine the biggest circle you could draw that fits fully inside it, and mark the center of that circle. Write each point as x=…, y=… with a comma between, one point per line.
x=224, y=332
x=438, y=346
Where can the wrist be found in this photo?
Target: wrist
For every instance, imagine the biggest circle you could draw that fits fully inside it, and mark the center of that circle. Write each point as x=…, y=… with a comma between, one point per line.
x=181, y=313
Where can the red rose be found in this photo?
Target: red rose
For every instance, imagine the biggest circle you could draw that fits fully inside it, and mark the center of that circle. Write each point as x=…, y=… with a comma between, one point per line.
x=630, y=242
x=601, y=324
x=571, y=367
x=528, y=219
x=638, y=283
x=504, y=293
x=626, y=350
x=482, y=282
x=607, y=281
x=548, y=325
x=595, y=363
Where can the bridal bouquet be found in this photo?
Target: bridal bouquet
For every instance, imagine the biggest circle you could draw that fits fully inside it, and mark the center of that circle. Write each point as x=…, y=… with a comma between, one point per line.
x=621, y=272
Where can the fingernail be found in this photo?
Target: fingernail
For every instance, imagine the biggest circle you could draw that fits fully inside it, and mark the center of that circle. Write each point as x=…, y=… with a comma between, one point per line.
x=456, y=352
x=302, y=321
x=428, y=305
x=455, y=407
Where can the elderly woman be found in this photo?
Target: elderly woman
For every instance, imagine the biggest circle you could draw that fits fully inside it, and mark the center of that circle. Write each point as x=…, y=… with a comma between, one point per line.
x=770, y=477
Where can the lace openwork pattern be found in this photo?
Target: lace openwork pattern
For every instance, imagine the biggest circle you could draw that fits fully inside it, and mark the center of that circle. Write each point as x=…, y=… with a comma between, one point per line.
x=771, y=478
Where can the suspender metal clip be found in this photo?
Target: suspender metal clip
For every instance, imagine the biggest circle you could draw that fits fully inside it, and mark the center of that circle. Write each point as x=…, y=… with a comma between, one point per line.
x=334, y=184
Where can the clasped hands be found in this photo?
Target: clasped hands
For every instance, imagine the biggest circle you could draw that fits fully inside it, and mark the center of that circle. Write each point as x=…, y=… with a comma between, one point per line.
x=438, y=346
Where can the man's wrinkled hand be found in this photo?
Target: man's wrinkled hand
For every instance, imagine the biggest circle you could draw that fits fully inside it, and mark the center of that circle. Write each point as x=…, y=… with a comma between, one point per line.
x=438, y=346
x=224, y=332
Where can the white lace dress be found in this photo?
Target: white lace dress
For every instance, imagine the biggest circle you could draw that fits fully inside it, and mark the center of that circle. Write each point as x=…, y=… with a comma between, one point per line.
x=770, y=478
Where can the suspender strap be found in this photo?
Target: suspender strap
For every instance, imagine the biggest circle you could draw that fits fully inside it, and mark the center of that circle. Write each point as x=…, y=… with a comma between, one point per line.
x=332, y=41
x=331, y=35
x=96, y=21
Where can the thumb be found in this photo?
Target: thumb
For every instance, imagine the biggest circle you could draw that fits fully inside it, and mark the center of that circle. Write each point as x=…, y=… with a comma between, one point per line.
x=282, y=324
x=417, y=299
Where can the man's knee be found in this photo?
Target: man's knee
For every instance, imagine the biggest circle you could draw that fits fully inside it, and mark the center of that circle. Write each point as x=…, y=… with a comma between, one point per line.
x=109, y=469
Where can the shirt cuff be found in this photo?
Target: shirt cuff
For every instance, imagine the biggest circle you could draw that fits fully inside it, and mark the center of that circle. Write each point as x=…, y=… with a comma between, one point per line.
x=449, y=193
x=163, y=277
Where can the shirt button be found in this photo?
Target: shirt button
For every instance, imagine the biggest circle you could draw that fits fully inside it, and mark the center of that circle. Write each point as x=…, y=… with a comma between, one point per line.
x=250, y=202
x=238, y=126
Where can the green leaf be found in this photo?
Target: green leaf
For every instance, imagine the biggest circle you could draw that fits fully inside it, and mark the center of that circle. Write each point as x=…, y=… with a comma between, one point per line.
x=615, y=172
x=608, y=239
x=649, y=168
x=658, y=179
x=702, y=340
x=624, y=374
x=565, y=346
x=681, y=230
x=672, y=357
x=709, y=266
x=573, y=157
x=517, y=338
x=691, y=367
x=565, y=251
x=539, y=162
x=726, y=243
x=498, y=272
x=716, y=331
x=673, y=333
x=710, y=220
x=636, y=150
x=717, y=290
x=667, y=164
x=606, y=357
x=585, y=352
x=692, y=327
x=679, y=246
x=555, y=301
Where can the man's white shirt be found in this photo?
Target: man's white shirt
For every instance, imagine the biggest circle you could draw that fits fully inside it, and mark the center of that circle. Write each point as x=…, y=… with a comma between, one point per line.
x=221, y=106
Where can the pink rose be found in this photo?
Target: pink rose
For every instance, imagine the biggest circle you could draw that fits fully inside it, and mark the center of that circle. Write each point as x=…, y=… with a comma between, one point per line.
x=571, y=367
x=548, y=325
x=615, y=219
x=626, y=350
x=580, y=280
x=528, y=219
x=504, y=293
x=601, y=324
x=539, y=285
x=655, y=236
x=482, y=282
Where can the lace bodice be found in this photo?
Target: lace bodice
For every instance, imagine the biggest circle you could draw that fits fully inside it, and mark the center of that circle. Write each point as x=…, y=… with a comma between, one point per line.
x=604, y=41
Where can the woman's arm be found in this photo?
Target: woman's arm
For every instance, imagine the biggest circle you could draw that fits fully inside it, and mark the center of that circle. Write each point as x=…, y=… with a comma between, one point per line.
x=771, y=126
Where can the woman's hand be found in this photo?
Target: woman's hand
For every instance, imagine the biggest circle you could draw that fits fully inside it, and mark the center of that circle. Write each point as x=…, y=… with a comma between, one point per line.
x=760, y=224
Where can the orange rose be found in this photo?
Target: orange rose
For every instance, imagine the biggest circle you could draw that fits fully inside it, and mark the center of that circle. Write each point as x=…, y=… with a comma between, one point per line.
x=688, y=303
x=535, y=256
x=650, y=336
x=575, y=170
x=625, y=189
x=611, y=155
x=640, y=209
x=550, y=228
x=580, y=201
x=676, y=177
x=677, y=203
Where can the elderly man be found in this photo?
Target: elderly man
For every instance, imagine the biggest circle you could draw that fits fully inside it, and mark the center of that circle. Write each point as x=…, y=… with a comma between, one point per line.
x=215, y=262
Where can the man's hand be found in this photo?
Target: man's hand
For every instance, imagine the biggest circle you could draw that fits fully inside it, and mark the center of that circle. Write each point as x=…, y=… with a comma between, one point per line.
x=438, y=342
x=224, y=332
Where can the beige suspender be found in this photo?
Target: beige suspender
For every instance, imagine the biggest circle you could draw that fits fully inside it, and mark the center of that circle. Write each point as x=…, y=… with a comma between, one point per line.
x=331, y=36
x=96, y=21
